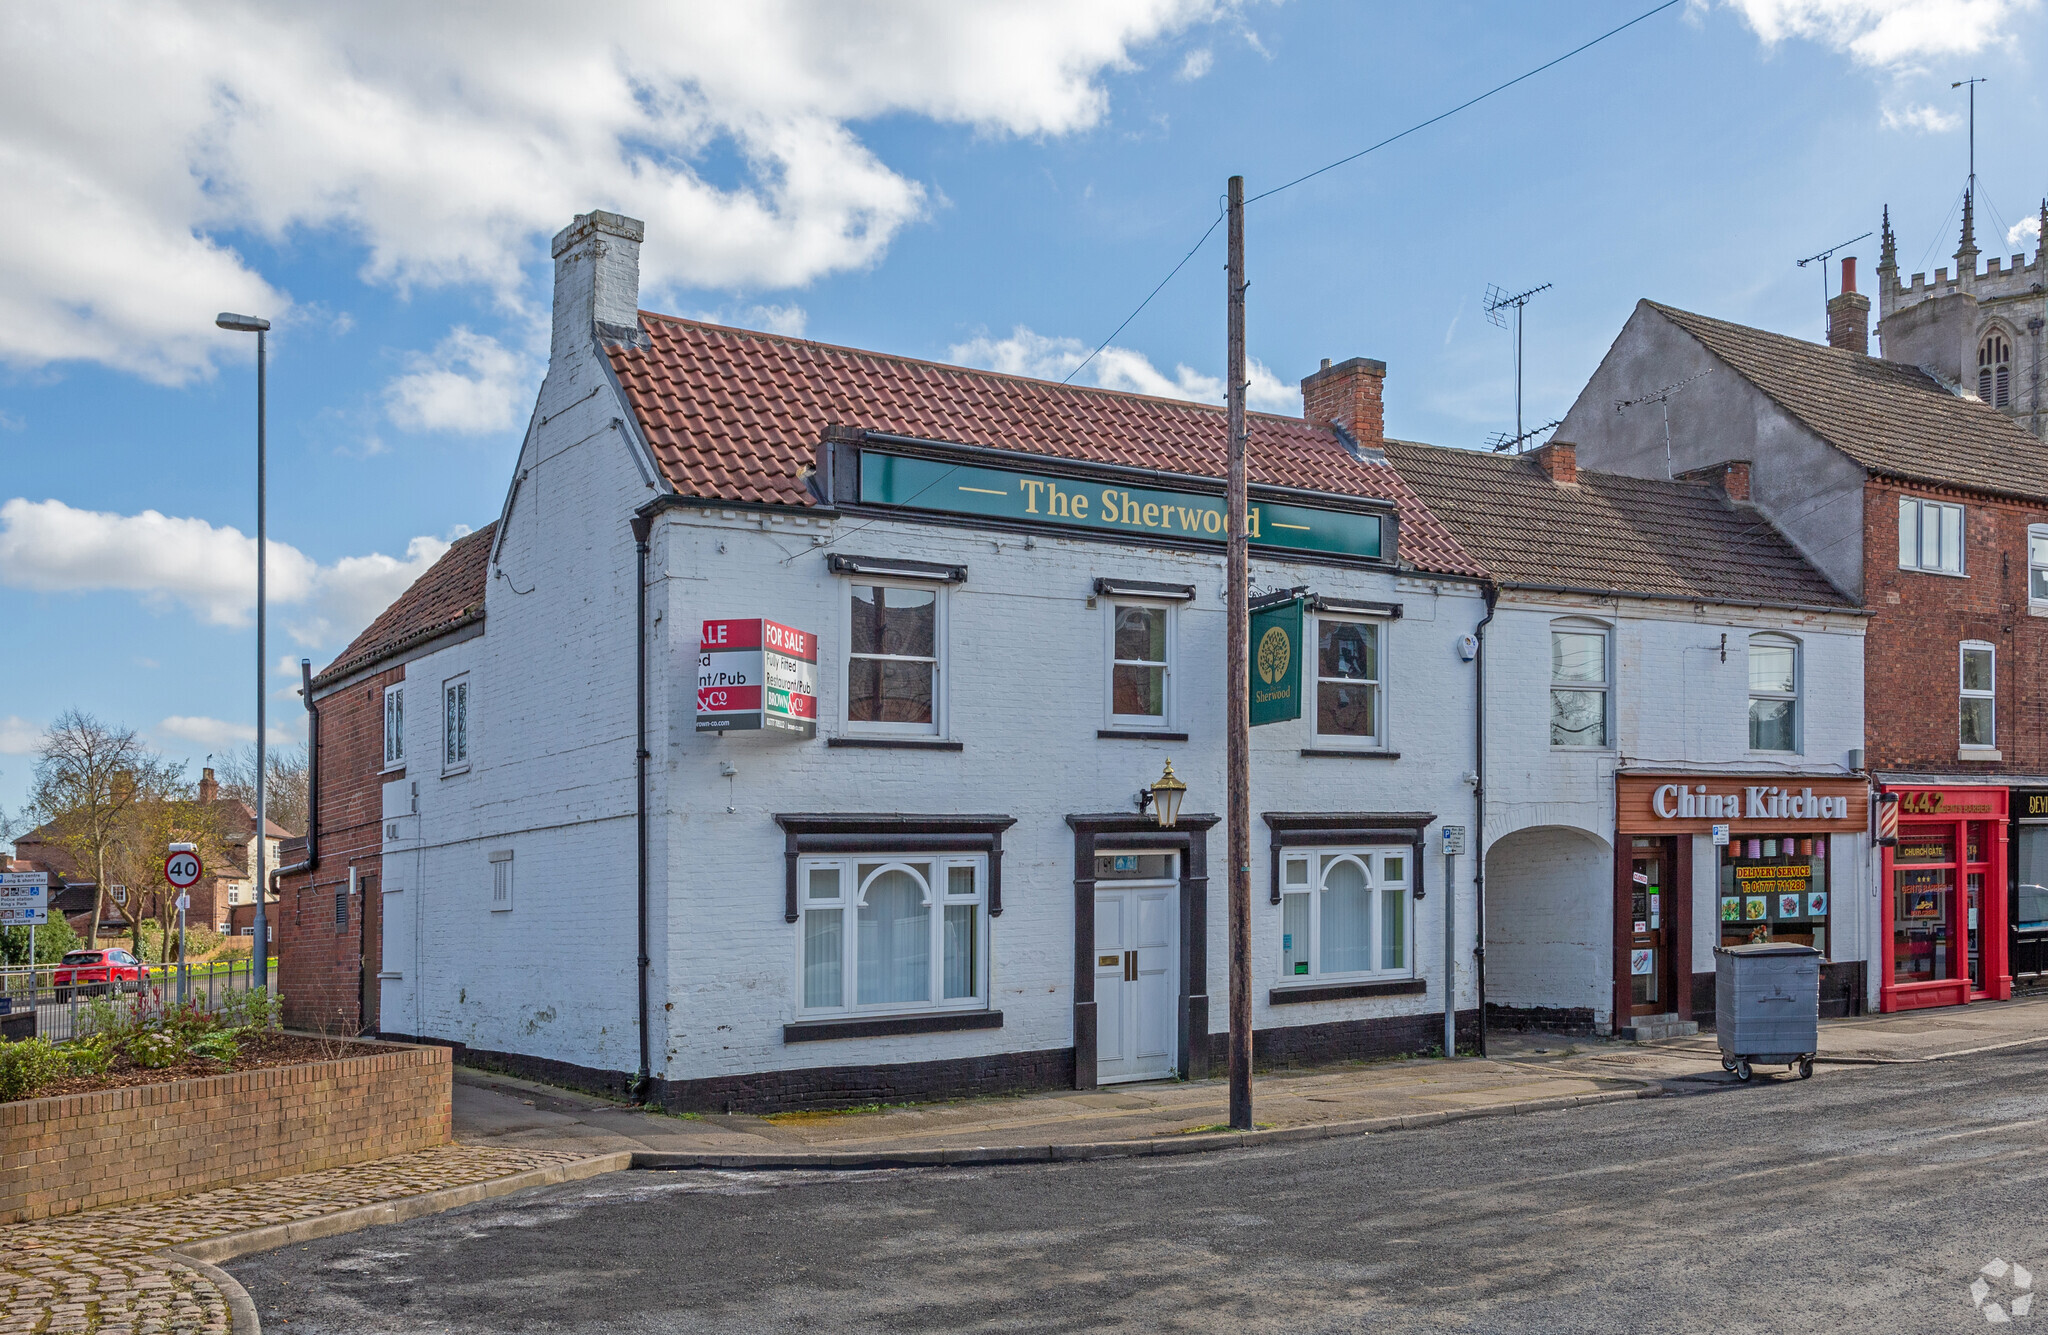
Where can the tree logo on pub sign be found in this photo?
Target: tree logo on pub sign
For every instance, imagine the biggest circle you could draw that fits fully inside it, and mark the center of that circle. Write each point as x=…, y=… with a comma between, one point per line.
x=1274, y=653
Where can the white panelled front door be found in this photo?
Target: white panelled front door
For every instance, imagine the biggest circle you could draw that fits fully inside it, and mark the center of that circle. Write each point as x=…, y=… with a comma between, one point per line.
x=1137, y=981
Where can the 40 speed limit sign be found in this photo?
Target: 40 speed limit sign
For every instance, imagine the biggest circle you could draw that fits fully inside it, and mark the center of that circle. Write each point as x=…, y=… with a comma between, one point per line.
x=182, y=870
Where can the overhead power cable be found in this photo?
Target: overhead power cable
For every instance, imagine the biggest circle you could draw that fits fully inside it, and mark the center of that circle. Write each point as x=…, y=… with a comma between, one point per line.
x=1308, y=176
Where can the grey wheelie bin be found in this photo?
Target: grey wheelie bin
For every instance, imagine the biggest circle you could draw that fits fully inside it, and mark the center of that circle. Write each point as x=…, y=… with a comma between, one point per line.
x=1767, y=1006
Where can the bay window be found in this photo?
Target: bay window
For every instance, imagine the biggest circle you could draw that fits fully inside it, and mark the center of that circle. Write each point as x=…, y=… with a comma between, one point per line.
x=1344, y=914
x=890, y=934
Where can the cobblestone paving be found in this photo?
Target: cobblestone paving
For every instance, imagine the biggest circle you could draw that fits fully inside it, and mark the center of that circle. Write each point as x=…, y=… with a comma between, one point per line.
x=99, y=1271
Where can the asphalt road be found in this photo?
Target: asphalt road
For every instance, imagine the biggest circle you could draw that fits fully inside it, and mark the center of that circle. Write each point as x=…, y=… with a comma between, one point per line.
x=1865, y=1199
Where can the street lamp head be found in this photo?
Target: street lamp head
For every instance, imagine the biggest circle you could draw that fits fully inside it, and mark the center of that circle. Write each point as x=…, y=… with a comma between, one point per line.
x=1167, y=792
x=241, y=324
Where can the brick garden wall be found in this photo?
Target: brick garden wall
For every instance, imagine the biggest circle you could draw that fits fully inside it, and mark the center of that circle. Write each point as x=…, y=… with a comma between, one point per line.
x=1911, y=661
x=78, y=1151
x=320, y=964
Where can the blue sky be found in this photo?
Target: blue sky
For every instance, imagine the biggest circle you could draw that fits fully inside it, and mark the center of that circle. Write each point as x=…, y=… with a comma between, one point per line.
x=998, y=184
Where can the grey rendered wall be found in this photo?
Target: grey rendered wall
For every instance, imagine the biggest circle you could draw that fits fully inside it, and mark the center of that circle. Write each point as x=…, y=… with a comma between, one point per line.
x=1810, y=490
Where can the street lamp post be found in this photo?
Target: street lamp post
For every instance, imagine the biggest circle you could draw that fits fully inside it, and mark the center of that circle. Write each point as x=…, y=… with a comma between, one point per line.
x=259, y=954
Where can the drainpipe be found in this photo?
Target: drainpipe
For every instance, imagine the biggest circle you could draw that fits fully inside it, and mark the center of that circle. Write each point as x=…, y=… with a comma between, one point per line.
x=643, y=524
x=312, y=782
x=1479, y=808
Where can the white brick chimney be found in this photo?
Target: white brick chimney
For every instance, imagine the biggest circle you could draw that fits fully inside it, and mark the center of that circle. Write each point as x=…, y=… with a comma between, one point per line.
x=597, y=279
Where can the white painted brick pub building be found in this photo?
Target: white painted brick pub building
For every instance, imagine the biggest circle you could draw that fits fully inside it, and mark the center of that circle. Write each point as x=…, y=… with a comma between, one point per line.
x=1015, y=590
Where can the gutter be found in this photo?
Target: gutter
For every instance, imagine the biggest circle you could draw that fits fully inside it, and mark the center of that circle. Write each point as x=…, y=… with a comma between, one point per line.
x=1479, y=809
x=643, y=525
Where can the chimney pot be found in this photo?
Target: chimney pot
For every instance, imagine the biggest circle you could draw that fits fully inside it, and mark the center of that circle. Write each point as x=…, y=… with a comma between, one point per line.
x=1848, y=273
x=1349, y=393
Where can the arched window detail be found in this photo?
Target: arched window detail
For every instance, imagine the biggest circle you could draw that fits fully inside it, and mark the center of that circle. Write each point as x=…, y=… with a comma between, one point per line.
x=1994, y=369
x=1773, y=693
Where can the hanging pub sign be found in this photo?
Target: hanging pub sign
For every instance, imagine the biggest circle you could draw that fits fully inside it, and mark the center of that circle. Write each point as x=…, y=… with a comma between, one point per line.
x=1276, y=661
x=916, y=483
x=757, y=674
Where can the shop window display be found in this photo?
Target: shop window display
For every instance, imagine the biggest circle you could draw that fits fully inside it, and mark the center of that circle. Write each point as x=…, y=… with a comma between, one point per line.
x=1923, y=905
x=1775, y=890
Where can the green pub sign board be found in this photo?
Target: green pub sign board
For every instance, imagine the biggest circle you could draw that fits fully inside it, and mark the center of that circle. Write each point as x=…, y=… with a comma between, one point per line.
x=1276, y=662
x=1001, y=493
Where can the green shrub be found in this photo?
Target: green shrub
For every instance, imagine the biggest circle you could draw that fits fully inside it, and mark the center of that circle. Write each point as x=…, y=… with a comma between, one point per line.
x=155, y=1049
x=27, y=1066
x=53, y=939
x=222, y=1045
x=91, y=1055
x=258, y=1009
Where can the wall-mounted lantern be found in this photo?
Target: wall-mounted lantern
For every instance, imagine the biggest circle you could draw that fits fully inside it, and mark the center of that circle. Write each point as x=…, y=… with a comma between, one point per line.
x=1166, y=791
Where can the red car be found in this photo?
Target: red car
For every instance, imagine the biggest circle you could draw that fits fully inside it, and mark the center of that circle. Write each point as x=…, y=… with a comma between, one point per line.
x=96, y=971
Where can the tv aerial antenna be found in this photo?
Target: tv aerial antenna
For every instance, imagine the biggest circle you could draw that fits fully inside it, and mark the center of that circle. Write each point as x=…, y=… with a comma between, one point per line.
x=1498, y=303
x=1821, y=258
x=1501, y=441
x=1663, y=398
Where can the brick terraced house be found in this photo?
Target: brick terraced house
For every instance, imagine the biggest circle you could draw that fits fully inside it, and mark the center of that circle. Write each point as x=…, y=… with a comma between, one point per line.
x=330, y=914
x=1655, y=643
x=1928, y=507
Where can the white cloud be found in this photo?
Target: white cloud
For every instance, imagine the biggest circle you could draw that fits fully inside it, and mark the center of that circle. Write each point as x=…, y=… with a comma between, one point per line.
x=2027, y=231
x=1884, y=33
x=19, y=737
x=138, y=140
x=1026, y=352
x=1926, y=119
x=470, y=384
x=50, y=547
x=1199, y=62
x=11, y=421
x=216, y=735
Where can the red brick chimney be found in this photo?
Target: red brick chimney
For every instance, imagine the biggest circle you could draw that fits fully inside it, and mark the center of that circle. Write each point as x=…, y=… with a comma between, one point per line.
x=209, y=790
x=1560, y=459
x=1849, y=313
x=1350, y=393
x=1730, y=475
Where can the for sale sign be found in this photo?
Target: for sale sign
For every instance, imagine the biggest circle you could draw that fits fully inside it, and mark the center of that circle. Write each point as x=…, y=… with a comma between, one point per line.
x=755, y=673
x=24, y=898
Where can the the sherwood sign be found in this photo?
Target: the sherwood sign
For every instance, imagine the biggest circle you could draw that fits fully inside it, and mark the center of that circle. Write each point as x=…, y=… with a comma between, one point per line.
x=999, y=493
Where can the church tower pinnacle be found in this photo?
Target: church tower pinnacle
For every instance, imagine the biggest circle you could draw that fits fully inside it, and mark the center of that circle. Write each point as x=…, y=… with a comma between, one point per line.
x=1966, y=254
x=1888, y=250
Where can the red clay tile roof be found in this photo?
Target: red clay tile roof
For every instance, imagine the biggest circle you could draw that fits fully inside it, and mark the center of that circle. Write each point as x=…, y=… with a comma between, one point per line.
x=1892, y=418
x=736, y=415
x=1609, y=532
x=449, y=595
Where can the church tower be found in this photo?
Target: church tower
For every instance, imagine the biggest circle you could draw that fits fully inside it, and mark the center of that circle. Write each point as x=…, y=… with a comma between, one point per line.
x=1977, y=331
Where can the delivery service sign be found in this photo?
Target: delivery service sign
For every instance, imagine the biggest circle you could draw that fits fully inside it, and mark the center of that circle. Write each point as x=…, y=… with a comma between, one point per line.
x=756, y=673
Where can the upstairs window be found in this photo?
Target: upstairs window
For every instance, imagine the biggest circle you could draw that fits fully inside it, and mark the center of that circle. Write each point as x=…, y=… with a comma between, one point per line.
x=1578, y=685
x=1930, y=536
x=2037, y=566
x=455, y=724
x=1773, y=693
x=1978, y=725
x=893, y=660
x=1140, y=665
x=1350, y=684
x=1994, y=370
x=394, y=726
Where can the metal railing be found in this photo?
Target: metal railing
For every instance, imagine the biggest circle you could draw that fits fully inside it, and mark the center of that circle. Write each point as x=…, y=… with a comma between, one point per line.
x=65, y=1011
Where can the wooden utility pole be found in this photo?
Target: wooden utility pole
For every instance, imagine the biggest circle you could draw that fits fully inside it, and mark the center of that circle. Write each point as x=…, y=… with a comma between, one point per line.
x=1238, y=827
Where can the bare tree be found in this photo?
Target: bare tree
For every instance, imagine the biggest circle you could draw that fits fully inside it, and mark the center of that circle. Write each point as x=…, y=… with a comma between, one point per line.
x=284, y=778
x=88, y=777
x=165, y=812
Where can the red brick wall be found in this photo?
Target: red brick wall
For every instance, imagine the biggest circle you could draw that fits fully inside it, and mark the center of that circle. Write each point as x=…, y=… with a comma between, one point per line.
x=144, y=1142
x=321, y=968
x=1911, y=658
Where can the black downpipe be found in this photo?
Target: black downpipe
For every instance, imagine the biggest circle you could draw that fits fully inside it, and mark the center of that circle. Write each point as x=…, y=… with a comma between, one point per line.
x=312, y=781
x=1479, y=809
x=643, y=524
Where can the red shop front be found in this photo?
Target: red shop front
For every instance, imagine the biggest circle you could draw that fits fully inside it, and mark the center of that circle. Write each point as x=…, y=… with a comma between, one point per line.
x=1944, y=901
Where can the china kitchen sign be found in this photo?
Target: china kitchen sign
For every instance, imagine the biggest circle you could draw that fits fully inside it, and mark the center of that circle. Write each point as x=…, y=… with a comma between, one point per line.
x=1694, y=804
x=757, y=674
